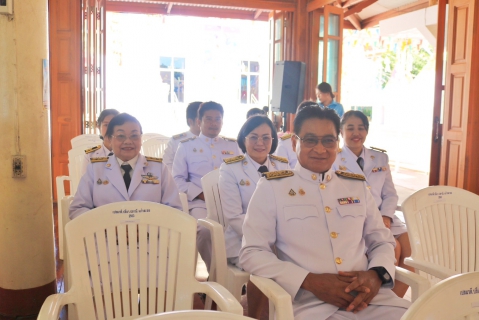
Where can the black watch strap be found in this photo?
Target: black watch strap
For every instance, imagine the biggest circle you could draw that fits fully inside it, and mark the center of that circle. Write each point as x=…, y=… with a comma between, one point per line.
x=383, y=274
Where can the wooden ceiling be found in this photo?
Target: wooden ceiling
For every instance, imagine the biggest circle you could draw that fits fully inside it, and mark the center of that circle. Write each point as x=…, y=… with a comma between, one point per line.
x=358, y=14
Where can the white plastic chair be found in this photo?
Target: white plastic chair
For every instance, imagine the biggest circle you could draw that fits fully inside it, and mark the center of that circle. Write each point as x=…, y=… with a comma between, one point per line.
x=455, y=298
x=76, y=159
x=155, y=147
x=60, y=186
x=444, y=230
x=147, y=136
x=130, y=259
x=195, y=315
x=280, y=306
x=229, y=276
x=86, y=139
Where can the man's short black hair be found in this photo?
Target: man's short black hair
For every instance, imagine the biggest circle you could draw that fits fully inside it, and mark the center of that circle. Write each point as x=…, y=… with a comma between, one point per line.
x=119, y=120
x=105, y=113
x=253, y=111
x=357, y=114
x=306, y=103
x=252, y=123
x=325, y=87
x=210, y=105
x=311, y=112
x=192, y=110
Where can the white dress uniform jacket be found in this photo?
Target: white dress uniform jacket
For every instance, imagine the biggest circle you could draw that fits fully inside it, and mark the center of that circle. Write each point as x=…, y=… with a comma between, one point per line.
x=103, y=184
x=285, y=149
x=318, y=224
x=99, y=151
x=379, y=180
x=237, y=183
x=196, y=157
x=172, y=146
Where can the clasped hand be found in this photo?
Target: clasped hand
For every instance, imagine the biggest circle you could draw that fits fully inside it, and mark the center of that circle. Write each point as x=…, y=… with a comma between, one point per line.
x=335, y=289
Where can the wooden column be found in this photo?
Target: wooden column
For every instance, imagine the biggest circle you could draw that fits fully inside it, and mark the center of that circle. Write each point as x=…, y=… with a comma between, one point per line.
x=66, y=75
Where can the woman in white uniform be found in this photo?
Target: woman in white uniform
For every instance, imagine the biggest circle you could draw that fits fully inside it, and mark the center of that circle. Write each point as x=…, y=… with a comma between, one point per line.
x=103, y=150
x=125, y=176
x=238, y=179
x=374, y=165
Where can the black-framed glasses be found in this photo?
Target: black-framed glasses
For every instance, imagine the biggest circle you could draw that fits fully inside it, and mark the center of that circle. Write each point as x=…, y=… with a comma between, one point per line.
x=122, y=137
x=311, y=142
x=256, y=139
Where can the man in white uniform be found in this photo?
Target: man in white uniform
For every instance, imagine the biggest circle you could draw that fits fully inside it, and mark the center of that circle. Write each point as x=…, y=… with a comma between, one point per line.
x=334, y=255
x=191, y=116
x=196, y=157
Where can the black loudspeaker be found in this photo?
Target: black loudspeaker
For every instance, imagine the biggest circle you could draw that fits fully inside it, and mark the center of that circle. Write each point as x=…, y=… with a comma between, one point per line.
x=288, y=86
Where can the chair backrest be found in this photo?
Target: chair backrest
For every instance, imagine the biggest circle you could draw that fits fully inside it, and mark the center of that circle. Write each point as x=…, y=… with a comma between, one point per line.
x=147, y=136
x=155, y=147
x=195, y=315
x=443, y=225
x=128, y=248
x=455, y=298
x=76, y=157
x=86, y=139
x=211, y=192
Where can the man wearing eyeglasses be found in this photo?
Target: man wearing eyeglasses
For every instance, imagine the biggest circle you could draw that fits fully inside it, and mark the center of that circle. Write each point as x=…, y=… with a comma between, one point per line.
x=196, y=157
x=333, y=255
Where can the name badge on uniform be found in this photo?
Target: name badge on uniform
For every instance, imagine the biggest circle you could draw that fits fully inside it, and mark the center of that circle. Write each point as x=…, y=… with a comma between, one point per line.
x=379, y=169
x=149, y=178
x=348, y=200
x=227, y=152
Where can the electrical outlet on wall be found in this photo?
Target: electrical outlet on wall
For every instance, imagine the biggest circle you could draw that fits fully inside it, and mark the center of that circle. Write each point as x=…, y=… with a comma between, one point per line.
x=19, y=168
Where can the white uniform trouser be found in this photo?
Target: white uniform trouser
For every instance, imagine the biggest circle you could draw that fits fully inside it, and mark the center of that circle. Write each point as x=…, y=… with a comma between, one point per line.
x=203, y=237
x=372, y=312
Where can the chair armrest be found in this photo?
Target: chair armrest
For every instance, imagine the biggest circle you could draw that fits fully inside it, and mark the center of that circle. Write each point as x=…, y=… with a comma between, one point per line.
x=418, y=284
x=431, y=268
x=52, y=306
x=223, y=298
x=218, y=252
x=277, y=296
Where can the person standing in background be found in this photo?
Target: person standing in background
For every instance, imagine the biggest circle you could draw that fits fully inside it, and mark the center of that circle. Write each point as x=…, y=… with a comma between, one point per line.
x=325, y=95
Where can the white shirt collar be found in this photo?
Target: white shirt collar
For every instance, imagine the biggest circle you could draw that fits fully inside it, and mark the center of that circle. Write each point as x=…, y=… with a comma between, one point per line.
x=257, y=165
x=132, y=162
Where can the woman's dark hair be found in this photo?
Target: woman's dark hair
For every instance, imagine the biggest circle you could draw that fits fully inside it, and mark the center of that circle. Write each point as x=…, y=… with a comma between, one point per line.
x=357, y=114
x=325, y=87
x=192, y=110
x=252, y=123
x=253, y=111
x=119, y=120
x=311, y=112
x=210, y=105
x=306, y=103
x=105, y=113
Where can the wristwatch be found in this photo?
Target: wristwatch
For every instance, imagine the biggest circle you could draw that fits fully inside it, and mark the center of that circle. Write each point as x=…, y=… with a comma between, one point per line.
x=383, y=274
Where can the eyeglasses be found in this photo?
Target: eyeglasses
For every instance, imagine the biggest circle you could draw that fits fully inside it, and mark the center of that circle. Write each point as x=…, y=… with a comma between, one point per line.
x=123, y=138
x=311, y=142
x=256, y=139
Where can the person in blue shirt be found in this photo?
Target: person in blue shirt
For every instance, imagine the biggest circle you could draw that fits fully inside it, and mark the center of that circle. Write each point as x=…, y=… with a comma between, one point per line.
x=325, y=95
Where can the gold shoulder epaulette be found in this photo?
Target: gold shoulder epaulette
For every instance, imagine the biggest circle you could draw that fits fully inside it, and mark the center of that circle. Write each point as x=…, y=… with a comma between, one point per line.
x=350, y=175
x=102, y=159
x=280, y=159
x=286, y=136
x=377, y=149
x=87, y=151
x=229, y=139
x=154, y=159
x=177, y=136
x=233, y=159
x=189, y=139
x=278, y=174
